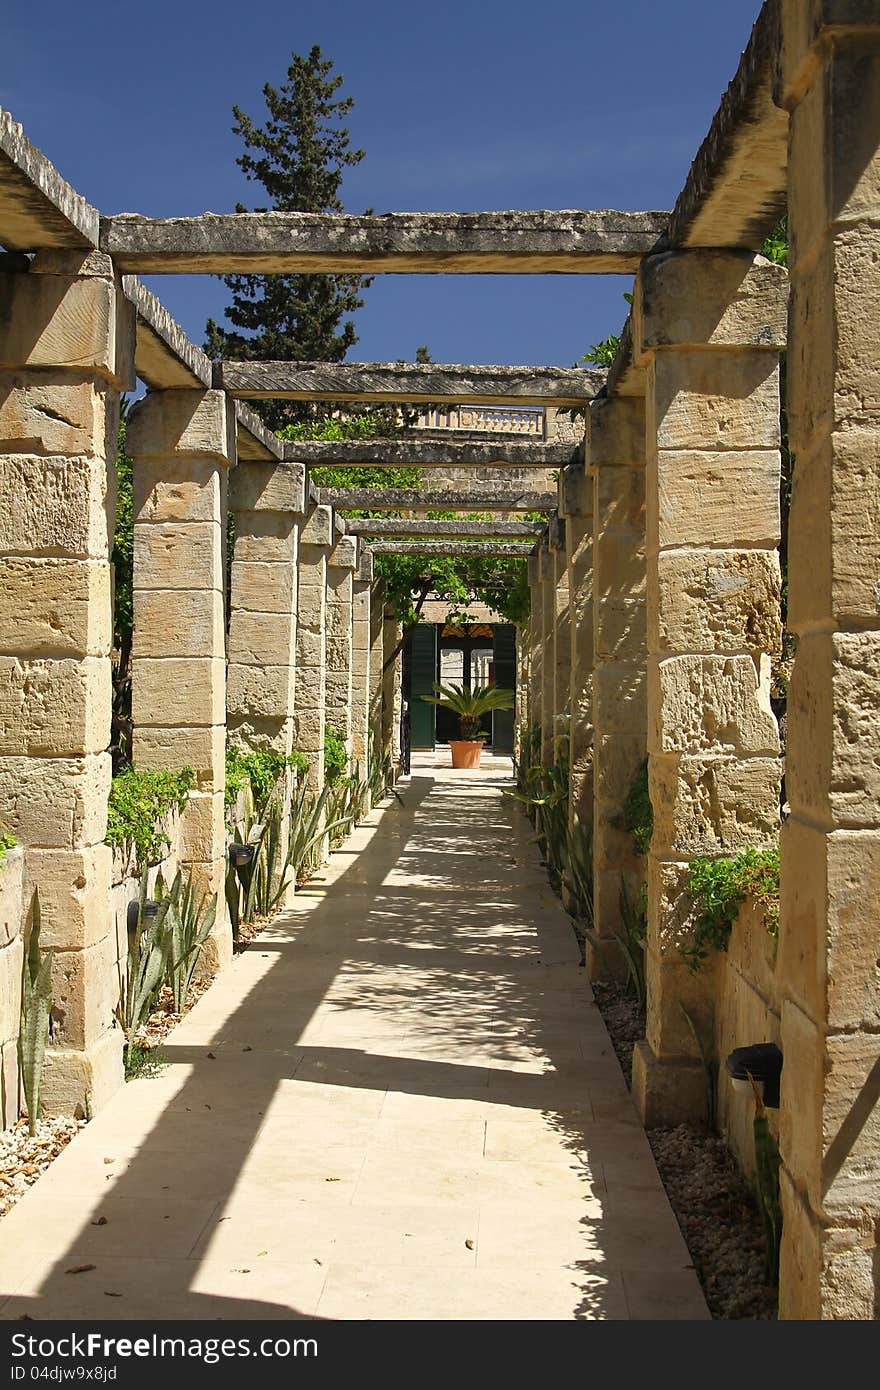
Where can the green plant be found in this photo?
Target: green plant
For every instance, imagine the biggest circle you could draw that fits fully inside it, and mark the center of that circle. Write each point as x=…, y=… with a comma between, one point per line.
x=191, y=917
x=149, y=957
x=718, y=888
x=470, y=705
x=260, y=769
x=36, y=1007
x=710, y=1068
x=143, y=1061
x=335, y=755
x=767, y=1164
x=309, y=824
x=137, y=807
x=7, y=842
x=633, y=918
x=637, y=815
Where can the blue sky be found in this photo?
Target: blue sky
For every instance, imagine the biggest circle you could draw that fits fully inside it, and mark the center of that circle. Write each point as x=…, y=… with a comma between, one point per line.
x=460, y=108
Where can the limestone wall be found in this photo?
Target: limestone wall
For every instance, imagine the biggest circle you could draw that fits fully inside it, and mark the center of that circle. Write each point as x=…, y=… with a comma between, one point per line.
x=126, y=883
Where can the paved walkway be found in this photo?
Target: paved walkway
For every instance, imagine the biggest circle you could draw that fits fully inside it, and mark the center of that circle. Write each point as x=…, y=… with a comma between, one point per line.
x=400, y=1102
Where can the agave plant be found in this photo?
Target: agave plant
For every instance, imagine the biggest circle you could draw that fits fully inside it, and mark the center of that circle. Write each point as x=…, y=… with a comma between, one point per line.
x=150, y=948
x=36, y=1005
x=190, y=921
x=470, y=705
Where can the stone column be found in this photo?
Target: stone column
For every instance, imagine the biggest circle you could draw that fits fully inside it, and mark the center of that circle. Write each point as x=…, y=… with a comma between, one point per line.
x=708, y=328
x=829, y=942
x=377, y=657
x=341, y=563
x=576, y=506
x=267, y=501
x=547, y=570
x=392, y=634
x=182, y=443
x=66, y=351
x=616, y=451
x=362, y=583
x=562, y=664
x=536, y=648
x=315, y=540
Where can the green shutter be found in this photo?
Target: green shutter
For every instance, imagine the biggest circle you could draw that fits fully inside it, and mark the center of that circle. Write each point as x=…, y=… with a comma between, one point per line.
x=504, y=659
x=423, y=671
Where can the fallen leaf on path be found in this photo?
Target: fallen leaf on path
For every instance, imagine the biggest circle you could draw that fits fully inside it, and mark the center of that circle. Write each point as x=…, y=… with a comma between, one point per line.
x=100, y=1221
x=80, y=1269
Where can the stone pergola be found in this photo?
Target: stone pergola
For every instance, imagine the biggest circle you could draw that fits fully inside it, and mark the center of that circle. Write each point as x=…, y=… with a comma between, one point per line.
x=655, y=585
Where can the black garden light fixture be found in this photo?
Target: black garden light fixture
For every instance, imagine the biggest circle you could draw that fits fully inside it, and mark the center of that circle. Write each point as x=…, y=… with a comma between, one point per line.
x=241, y=855
x=761, y=1061
x=135, y=915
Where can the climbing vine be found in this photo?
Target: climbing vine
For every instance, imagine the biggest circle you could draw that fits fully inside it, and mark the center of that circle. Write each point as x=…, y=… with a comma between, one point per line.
x=260, y=770
x=137, y=807
x=718, y=888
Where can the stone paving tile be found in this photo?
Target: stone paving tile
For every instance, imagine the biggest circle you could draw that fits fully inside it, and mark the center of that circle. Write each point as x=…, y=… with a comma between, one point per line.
x=400, y=1103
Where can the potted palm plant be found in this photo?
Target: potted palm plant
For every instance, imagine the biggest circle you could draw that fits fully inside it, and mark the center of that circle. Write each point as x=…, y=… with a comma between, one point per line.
x=470, y=706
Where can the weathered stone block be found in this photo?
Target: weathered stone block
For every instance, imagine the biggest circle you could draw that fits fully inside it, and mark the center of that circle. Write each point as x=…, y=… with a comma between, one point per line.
x=338, y=620
x=201, y=749
x=189, y=691
x=52, y=708
x=11, y=896
x=619, y=699
x=620, y=499
x=268, y=487
x=617, y=431
x=185, y=622
x=56, y=506
x=178, y=555
x=619, y=558
x=169, y=423
x=705, y=399
x=832, y=711
x=54, y=607
x=672, y=987
x=47, y=413
x=262, y=638
x=851, y=1127
x=317, y=529
x=344, y=554
x=714, y=805
x=718, y=298
x=263, y=588
x=261, y=691
x=714, y=498
x=665, y=1092
x=309, y=653
x=58, y=321
x=176, y=490
x=617, y=759
x=711, y=704
x=800, y=1109
x=202, y=832
x=85, y=993
x=717, y=601
x=11, y=959
x=620, y=628
x=800, y=1261
x=56, y=801
x=77, y=1082
x=74, y=888
x=266, y=537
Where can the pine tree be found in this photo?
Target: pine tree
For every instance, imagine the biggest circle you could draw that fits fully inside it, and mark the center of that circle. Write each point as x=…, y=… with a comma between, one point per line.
x=299, y=157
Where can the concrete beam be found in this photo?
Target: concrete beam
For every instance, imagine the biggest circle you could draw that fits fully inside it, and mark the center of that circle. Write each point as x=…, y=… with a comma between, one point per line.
x=446, y=548
x=430, y=453
x=38, y=208
x=404, y=528
x=303, y=243
x=409, y=500
x=735, y=192
x=390, y=381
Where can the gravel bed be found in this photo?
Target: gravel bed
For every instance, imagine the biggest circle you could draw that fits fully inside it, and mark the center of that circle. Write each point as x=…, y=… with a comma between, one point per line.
x=711, y=1200
x=23, y=1159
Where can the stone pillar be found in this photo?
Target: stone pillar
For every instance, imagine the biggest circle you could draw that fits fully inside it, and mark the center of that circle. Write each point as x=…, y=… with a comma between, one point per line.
x=66, y=351
x=362, y=583
x=341, y=562
x=562, y=664
x=377, y=658
x=392, y=694
x=182, y=443
x=576, y=506
x=829, y=942
x=268, y=501
x=616, y=451
x=536, y=650
x=708, y=328
x=315, y=540
x=547, y=570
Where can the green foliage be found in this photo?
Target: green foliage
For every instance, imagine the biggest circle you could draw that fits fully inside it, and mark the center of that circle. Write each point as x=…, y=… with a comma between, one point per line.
x=719, y=887
x=260, y=769
x=138, y=803
x=775, y=248
x=143, y=1061
x=36, y=1008
x=190, y=921
x=335, y=755
x=299, y=158
x=7, y=842
x=634, y=921
x=148, y=960
x=602, y=354
x=637, y=815
x=470, y=705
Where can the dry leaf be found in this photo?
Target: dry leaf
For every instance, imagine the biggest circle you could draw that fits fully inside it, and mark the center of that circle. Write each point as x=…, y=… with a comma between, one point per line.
x=100, y=1221
x=80, y=1269
x=469, y=1244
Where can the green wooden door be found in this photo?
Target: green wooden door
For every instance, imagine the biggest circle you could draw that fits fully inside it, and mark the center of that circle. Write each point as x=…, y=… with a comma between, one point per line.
x=504, y=662
x=423, y=674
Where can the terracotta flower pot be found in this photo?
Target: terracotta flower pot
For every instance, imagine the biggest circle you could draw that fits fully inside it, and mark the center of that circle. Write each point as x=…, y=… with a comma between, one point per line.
x=466, y=752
